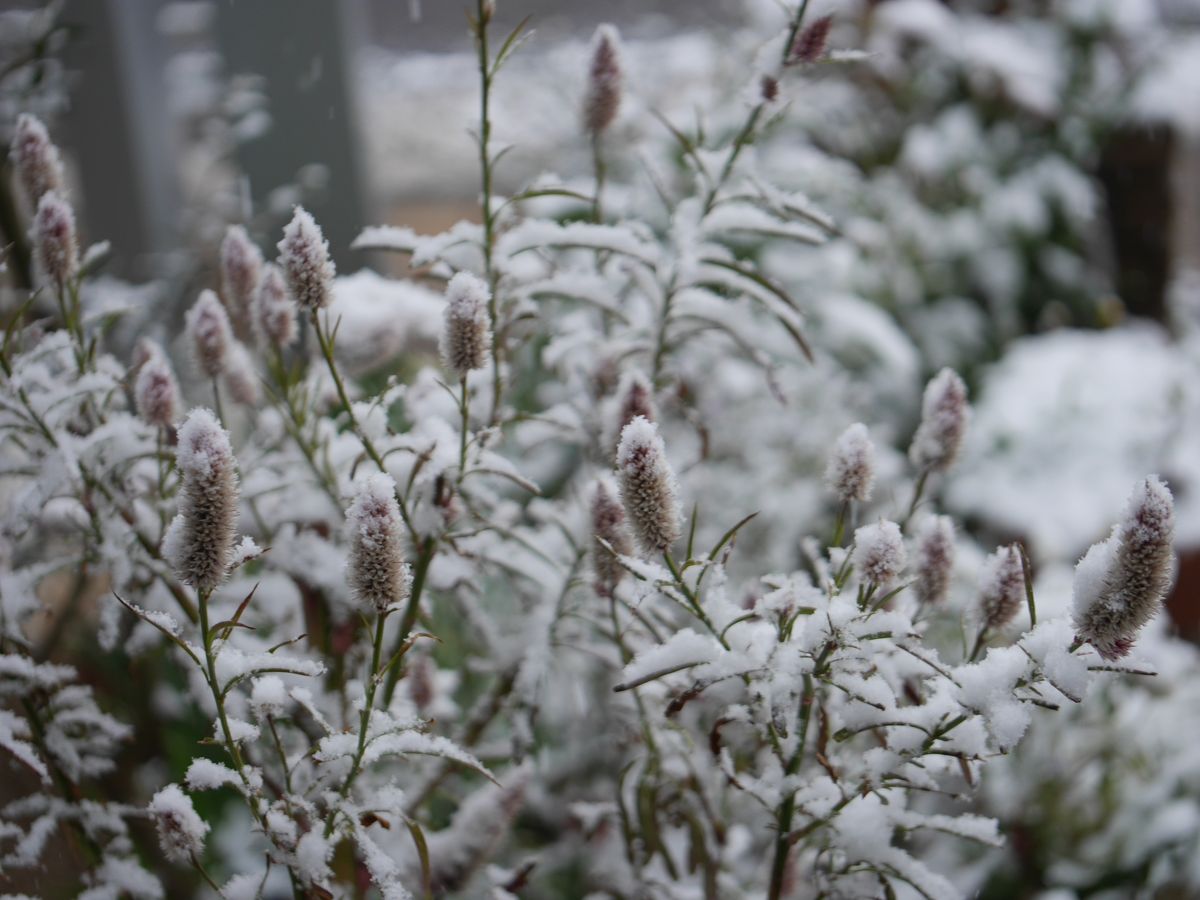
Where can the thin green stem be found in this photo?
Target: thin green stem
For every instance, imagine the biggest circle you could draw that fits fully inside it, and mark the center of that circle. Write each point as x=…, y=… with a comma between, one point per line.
x=364, y=724
x=217, y=401
x=600, y=172
x=409, y=620
x=787, y=809
x=918, y=493
x=464, y=409
x=482, y=20
x=326, y=344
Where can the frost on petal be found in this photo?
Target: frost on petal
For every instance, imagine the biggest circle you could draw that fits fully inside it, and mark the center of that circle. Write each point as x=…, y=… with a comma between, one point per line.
x=241, y=268
x=35, y=159
x=466, y=335
x=209, y=334
x=181, y=832
x=304, y=258
x=156, y=393
x=850, y=473
x=879, y=553
x=944, y=418
x=1120, y=583
x=199, y=542
x=376, y=570
x=55, y=245
x=648, y=489
x=935, y=560
x=1001, y=587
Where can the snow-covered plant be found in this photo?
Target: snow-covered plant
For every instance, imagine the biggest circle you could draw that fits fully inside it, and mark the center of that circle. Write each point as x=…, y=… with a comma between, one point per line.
x=492, y=617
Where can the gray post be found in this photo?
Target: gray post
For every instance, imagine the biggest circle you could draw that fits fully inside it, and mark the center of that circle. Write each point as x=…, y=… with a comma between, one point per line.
x=303, y=50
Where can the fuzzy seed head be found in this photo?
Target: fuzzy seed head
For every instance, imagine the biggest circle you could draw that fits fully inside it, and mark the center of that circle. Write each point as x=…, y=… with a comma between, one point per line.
x=55, y=246
x=209, y=334
x=467, y=335
x=944, y=418
x=272, y=312
x=635, y=397
x=812, y=42
x=608, y=525
x=769, y=88
x=241, y=268
x=604, y=81
x=199, y=543
x=879, y=552
x=156, y=392
x=376, y=570
x=1121, y=582
x=181, y=831
x=35, y=160
x=935, y=560
x=241, y=380
x=304, y=258
x=648, y=490
x=1001, y=587
x=850, y=473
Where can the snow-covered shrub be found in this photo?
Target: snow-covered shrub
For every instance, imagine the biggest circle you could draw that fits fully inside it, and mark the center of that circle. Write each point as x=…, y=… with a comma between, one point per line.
x=615, y=593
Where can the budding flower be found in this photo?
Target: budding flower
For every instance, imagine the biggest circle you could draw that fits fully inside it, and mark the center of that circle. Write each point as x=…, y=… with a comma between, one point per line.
x=35, y=159
x=850, y=473
x=375, y=570
x=156, y=392
x=604, y=81
x=241, y=268
x=272, y=312
x=55, y=246
x=944, y=417
x=635, y=398
x=466, y=336
x=240, y=378
x=199, y=543
x=811, y=42
x=648, y=486
x=608, y=525
x=1001, y=587
x=209, y=333
x=181, y=831
x=935, y=560
x=1121, y=582
x=879, y=552
x=304, y=257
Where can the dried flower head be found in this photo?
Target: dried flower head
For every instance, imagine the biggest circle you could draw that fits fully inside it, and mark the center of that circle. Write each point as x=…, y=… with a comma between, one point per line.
x=199, y=543
x=608, y=525
x=181, y=831
x=648, y=486
x=241, y=380
x=35, y=159
x=1001, y=587
x=156, y=392
x=604, y=81
x=944, y=418
x=272, y=312
x=55, y=246
x=769, y=88
x=635, y=397
x=879, y=552
x=850, y=473
x=811, y=43
x=209, y=334
x=935, y=560
x=1121, y=582
x=304, y=258
x=376, y=570
x=241, y=268
x=466, y=337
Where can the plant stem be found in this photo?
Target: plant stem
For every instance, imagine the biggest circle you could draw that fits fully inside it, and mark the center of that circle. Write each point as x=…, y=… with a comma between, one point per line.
x=787, y=809
x=918, y=493
x=365, y=719
x=464, y=409
x=420, y=570
x=598, y=168
x=217, y=401
x=482, y=19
